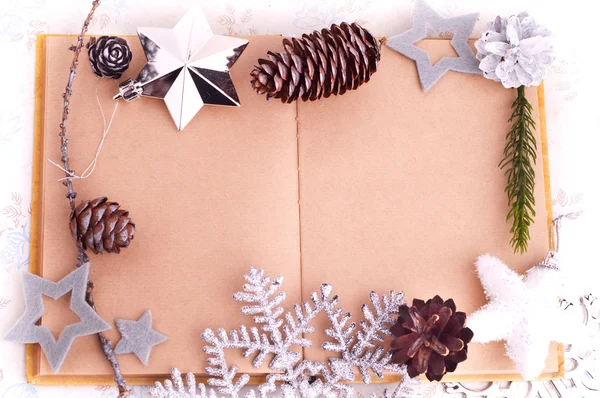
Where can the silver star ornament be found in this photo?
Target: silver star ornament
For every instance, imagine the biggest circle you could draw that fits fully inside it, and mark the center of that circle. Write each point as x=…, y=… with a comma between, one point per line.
x=26, y=331
x=187, y=67
x=461, y=26
x=138, y=337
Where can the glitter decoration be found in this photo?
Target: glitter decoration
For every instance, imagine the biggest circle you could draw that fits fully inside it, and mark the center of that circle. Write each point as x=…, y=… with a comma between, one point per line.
x=279, y=335
x=175, y=388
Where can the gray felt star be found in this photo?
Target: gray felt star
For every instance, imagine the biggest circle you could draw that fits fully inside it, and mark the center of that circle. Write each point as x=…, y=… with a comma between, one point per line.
x=137, y=337
x=461, y=26
x=26, y=331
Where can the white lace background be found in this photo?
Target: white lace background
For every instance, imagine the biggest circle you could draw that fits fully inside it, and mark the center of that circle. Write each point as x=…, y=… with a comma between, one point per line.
x=573, y=127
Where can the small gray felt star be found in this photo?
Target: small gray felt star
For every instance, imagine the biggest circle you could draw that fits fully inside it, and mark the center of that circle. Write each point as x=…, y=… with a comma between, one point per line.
x=137, y=337
x=462, y=26
x=26, y=331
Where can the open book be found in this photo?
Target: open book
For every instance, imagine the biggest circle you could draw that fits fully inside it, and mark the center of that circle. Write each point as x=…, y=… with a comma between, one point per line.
x=383, y=188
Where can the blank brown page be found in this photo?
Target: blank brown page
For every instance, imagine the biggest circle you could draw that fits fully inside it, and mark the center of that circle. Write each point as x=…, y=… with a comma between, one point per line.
x=383, y=188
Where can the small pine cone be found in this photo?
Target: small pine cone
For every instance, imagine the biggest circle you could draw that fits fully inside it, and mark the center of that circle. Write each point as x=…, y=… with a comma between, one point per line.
x=99, y=225
x=430, y=337
x=332, y=61
x=109, y=56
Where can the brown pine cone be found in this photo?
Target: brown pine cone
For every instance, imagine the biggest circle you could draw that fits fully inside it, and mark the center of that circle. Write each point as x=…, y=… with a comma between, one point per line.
x=332, y=61
x=99, y=225
x=430, y=338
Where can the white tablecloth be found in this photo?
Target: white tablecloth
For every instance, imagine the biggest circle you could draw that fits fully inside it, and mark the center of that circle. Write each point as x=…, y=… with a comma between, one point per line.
x=572, y=114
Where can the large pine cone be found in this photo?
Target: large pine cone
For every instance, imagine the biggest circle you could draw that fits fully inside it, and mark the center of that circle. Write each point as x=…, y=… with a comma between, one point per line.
x=320, y=64
x=430, y=337
x=99, y=225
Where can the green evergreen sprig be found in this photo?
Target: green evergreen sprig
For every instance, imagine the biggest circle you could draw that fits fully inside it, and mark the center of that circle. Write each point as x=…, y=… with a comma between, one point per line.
x=520, y=155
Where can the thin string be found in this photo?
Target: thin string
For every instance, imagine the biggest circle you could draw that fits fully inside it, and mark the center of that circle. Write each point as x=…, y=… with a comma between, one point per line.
x=554, y=235
x=554, y=232
x=106, y=128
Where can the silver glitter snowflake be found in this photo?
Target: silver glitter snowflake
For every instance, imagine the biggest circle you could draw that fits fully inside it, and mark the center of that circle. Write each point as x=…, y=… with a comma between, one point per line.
x=278, y=335
x=175, y=388
x=515, y=51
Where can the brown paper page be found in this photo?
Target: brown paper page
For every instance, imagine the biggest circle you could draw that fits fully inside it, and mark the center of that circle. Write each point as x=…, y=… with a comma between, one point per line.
x=401, y=190
x=208, y=203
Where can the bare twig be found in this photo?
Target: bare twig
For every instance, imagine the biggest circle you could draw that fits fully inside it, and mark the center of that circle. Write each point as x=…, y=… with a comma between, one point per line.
x=64, y=141
x=107, y=349
x=71, y=195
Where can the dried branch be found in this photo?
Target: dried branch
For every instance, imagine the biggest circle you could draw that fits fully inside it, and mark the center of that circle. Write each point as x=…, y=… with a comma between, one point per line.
x=64, y=141
x=124, y=392
x=82, y=257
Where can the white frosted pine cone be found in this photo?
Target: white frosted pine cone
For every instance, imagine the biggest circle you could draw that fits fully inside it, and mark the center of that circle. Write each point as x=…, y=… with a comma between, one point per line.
x=515, y=51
